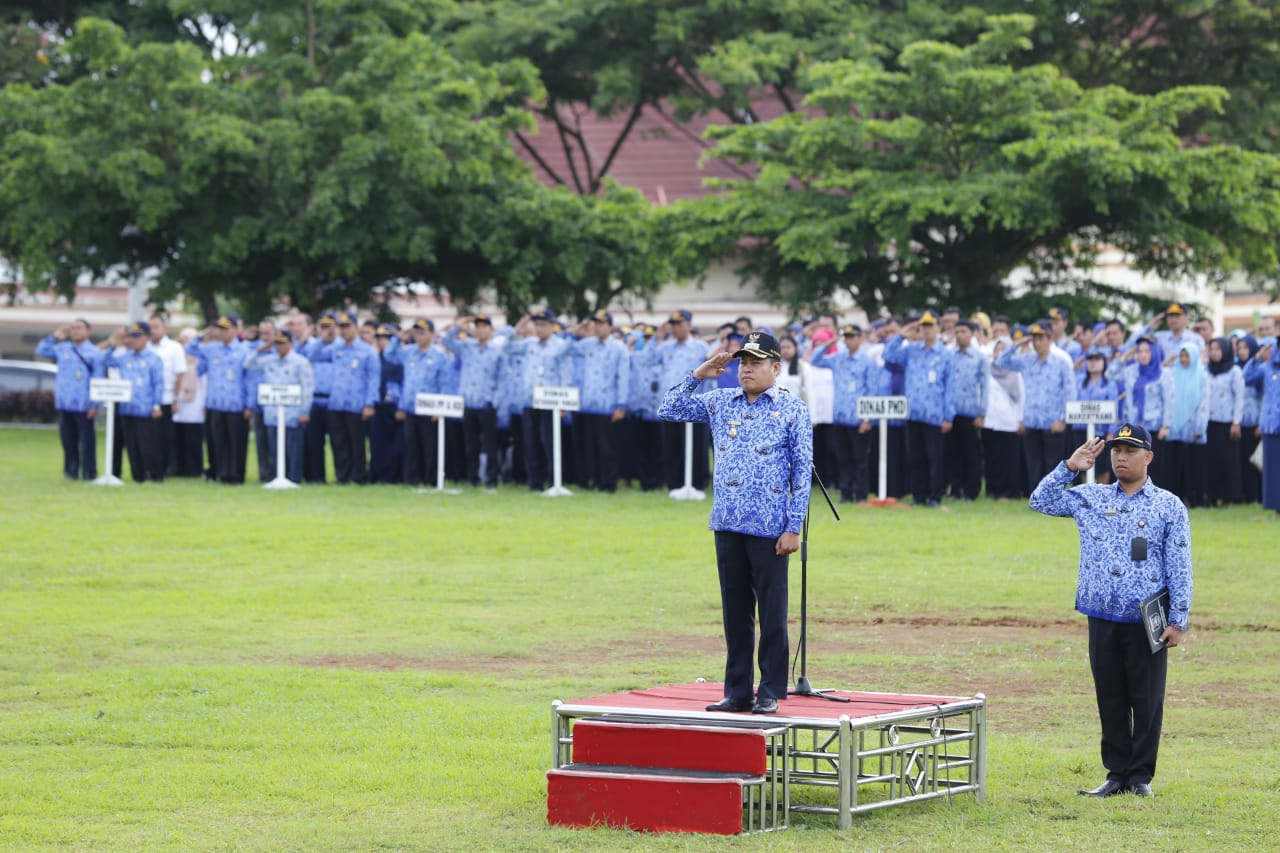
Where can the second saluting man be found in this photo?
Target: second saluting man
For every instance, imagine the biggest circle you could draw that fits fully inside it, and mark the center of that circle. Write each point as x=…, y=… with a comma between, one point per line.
x=763, y=441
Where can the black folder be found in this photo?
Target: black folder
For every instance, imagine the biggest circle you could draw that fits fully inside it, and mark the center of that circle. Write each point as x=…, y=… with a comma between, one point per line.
x=1155, y=617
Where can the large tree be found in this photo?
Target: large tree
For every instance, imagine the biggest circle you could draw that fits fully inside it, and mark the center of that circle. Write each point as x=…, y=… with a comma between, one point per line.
x=934, y=181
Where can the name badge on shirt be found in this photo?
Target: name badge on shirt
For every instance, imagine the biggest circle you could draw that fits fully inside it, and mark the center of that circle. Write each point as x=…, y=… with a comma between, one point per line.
x=79, y=374
x=231, y=374
x=933, y=376
x=733, y=428
x=355, y=363
x=853, y=386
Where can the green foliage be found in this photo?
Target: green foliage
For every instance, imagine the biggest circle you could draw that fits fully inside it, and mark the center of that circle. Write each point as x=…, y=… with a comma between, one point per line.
x=932, y=183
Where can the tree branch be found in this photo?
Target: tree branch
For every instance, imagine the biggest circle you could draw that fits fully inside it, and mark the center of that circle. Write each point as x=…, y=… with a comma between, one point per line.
x=537, y=158
x=617, y=146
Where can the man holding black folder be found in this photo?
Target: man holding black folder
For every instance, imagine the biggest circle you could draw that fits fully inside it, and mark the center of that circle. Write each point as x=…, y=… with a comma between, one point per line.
x=1135, y=547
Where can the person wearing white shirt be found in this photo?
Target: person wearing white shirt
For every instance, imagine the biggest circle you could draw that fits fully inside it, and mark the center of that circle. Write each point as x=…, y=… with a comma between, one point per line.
x=1001, y=442
x=188, y=415
x=174, y=361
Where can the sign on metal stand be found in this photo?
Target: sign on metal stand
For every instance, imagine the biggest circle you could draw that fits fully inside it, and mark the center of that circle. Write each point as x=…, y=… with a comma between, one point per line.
x=1091, y=412
x=439, y=406
x=883, y=409
x=110, y=391
x=557, y=398
x=270, y=394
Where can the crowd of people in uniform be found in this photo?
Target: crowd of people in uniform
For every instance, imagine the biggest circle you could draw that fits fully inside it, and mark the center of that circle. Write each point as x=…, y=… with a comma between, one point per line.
x=987, y=400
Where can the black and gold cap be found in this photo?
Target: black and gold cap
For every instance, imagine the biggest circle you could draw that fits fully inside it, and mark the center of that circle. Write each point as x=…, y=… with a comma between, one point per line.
x=759, y=345
x=1134, y=434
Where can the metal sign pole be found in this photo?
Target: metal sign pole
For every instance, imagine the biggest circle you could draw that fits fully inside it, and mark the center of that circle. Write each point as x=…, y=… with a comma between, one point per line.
x=110, y=478
x=687, y=492
x=281, y=481
x=440, y=453
x=557, y=489
x=1091, y=477
x=884, y=458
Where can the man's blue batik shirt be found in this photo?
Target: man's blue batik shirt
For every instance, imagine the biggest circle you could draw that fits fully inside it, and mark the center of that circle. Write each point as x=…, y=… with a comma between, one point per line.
x=764, y=455
x=1110, y=583
x=76, y=366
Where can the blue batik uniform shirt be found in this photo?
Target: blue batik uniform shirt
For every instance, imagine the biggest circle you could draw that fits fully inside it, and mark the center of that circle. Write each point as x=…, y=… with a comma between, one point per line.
x=425, y=372
x=854, y=375
x=357, y=372
x=321, y=369
x=544, y=364
x=143, y=371
x=606, y=375
x=677, y=359
x=478, y=383
x=646, y=392
x=1110, y=583
x=1049, y=384
x=223, y=363
x=1226, y=396
x=77, y=364
x=1268, y=373
x=970, y=371
x=293, y=369
x=764, y=455
x=928, y=373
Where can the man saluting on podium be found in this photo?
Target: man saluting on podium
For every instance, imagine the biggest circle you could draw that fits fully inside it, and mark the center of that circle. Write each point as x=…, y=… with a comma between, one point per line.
x=763, y=442
x=1135, y=539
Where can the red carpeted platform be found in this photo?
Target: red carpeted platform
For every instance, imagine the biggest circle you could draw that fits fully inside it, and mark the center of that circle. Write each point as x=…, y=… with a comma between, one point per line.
x=656, y=759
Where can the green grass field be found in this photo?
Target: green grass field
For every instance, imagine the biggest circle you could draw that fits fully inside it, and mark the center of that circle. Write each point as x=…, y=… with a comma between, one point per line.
x=192, y=666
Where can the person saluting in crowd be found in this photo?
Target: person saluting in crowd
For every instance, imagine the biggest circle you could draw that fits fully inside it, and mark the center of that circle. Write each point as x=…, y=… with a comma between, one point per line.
x=764, y=461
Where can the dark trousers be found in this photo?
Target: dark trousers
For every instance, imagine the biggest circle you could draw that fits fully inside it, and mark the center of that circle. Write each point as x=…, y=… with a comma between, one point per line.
x=188, y=449
x=1003, y=457
x=146, y=451
x=229, y=432
x=826, y=462
x=79, y=446
x=1222, y=461
x=386, y=445
x=535, y=425
x=347, y=431
x=673, y=455
x=117, y=446
x=313, y=443
x=420, y=434
x=753, y=576
x=293, y=439
x=597, y=439
x=964, y=458
x=480, y=436
x=1129, y=683
x=262, y=446
x=853, y=455
x=1043, y=450
x=511, y=440
x=1250, y=477
x=643, y=451
x=165, y=435
x=455, y=450
x=1186, y=471
x=925, y=461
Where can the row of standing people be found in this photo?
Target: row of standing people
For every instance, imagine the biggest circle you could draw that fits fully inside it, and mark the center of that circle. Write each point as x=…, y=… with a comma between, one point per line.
x=977, y=397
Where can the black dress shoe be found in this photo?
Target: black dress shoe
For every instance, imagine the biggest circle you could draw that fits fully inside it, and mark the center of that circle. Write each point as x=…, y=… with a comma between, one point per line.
x=766, y=705
x=1142, y=789
x=1108, y=788
x=733, y=705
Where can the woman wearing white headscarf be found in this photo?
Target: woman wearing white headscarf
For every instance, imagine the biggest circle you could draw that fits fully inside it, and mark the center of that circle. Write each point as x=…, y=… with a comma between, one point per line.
x=1186, y=426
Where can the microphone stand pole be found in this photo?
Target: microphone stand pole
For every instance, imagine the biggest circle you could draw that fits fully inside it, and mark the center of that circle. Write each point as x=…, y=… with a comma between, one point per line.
x=803, y=687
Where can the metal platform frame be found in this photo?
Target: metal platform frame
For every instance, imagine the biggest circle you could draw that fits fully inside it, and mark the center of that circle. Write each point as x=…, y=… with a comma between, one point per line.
x=873, y=762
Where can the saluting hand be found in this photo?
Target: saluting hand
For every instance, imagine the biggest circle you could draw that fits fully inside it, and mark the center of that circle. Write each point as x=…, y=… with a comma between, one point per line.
x=1086, y=455
x=713, y=367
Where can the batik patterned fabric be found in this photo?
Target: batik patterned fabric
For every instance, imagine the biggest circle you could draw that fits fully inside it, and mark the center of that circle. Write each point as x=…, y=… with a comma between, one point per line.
x=928, y=379
x=764, y=455
x=76, y=366
x=1111, y=584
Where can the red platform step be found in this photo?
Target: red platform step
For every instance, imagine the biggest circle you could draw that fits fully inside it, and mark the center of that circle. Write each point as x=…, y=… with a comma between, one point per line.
x=666, y=777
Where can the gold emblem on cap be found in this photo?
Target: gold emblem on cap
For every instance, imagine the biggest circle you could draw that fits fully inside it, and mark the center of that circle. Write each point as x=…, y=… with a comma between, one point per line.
x=1124, y=432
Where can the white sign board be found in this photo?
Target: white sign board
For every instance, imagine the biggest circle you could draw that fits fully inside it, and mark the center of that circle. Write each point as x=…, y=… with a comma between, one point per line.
x=438, y=405
x=279, y=395
x=882, y=408
x=110, y=390
x=555, y=397
x=1091, y=411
